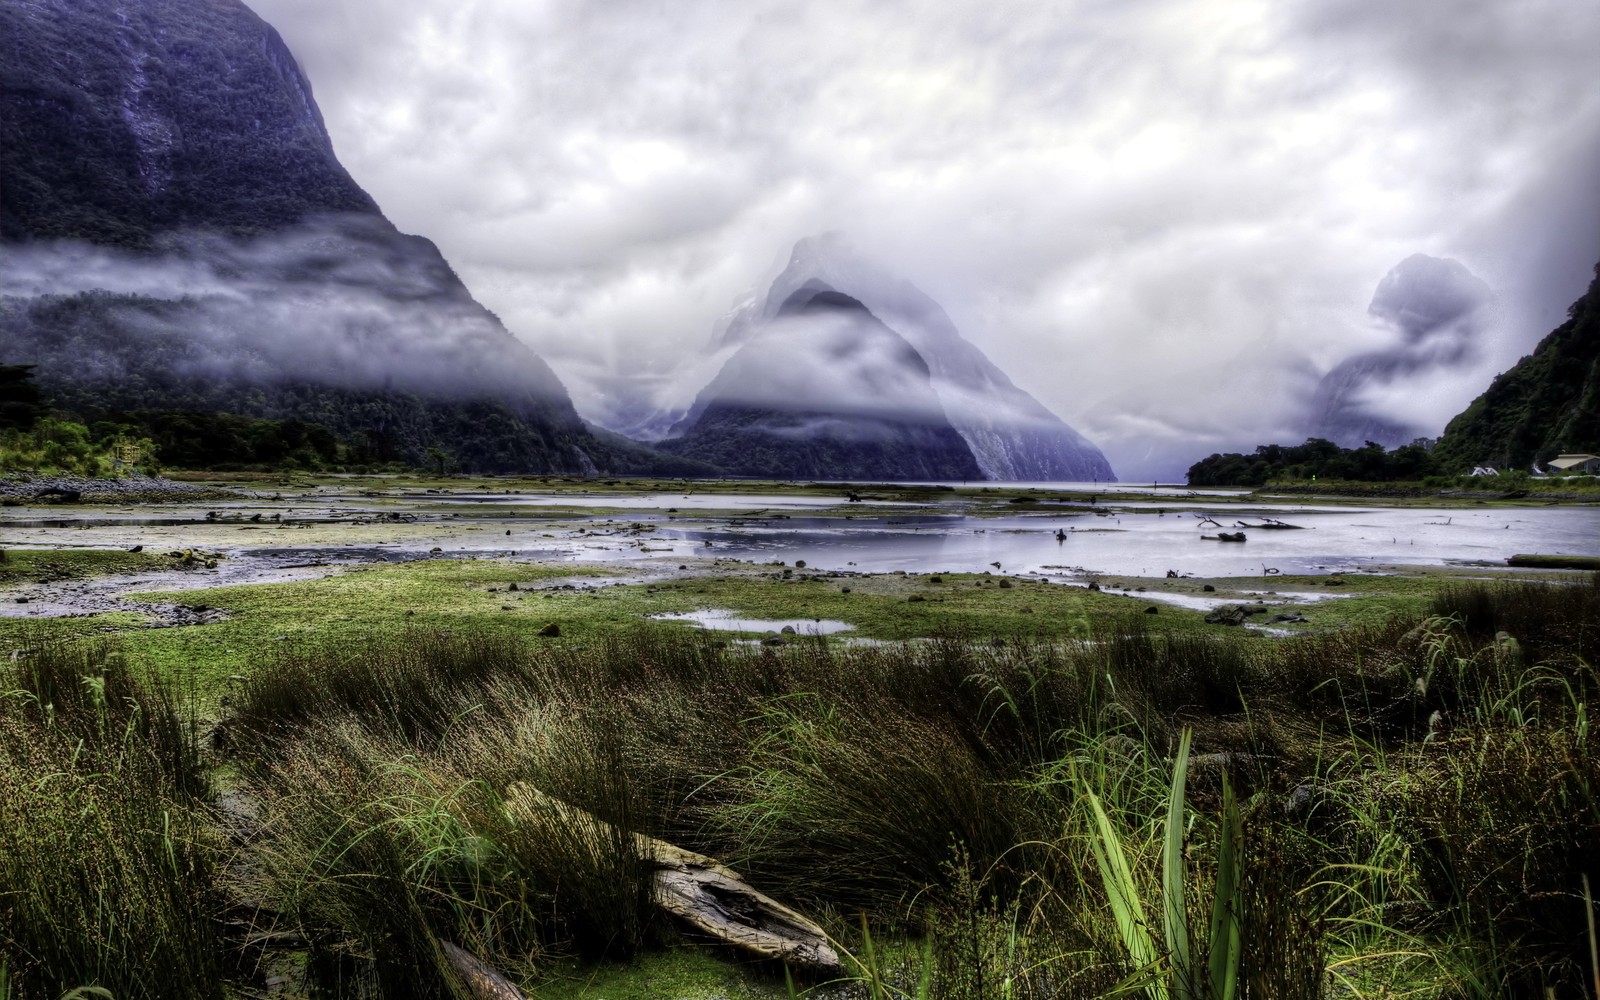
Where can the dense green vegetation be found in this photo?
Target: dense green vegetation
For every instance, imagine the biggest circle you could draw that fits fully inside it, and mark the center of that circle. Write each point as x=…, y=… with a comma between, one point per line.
x=101, y=429
x=107, y=443
x=1548, y=403
x=20, y=404
x=1316, y=459
x=1417, y=805
x=63, y=446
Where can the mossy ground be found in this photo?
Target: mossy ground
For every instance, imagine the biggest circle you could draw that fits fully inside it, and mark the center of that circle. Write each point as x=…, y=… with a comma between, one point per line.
x=681, y=974
x=22, y=566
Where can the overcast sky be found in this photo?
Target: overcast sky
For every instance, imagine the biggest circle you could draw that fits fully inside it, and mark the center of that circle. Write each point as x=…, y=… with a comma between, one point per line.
x=1164, y=218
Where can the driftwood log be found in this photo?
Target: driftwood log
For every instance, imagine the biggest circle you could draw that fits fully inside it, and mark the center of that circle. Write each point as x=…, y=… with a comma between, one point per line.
x=706, y=895
x=483, y=982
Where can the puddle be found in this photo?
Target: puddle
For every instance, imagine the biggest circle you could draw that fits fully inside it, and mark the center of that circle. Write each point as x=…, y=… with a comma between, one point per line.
x=729, y=621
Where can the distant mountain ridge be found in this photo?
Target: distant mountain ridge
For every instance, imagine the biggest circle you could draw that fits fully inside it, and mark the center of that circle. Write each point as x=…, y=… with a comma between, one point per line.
x=1547, y=403
x=178, y=233
x=825, y=390
x=1006, y=432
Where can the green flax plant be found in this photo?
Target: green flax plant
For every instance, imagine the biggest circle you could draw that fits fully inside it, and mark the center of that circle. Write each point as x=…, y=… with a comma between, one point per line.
x=1184, y=963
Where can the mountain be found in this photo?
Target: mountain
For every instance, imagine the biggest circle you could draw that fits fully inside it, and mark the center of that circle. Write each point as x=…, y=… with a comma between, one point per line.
x=1549, y=402
x=1438, y=310
x=177, y=233
x=937, y=377
x=825, y=390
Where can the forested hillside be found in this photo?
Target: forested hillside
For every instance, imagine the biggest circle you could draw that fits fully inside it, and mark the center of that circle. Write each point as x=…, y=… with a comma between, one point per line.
x=1548, y=403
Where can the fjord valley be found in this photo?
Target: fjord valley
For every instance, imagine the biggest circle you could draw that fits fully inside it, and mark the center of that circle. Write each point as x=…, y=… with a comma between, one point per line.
x=526, y=624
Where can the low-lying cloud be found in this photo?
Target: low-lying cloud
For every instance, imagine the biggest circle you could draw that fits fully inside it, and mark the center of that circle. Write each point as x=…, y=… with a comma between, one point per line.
x=341, y=301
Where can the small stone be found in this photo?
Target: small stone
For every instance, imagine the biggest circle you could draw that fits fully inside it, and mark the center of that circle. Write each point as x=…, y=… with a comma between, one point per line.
x=787, y=630
x=551, y=631
x=1152, y=610
x=1208, y=588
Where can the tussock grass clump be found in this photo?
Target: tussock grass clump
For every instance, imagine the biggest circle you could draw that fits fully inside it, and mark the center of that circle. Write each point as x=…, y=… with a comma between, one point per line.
x=1511, y=818
x=107, y=860
x=1548, y=619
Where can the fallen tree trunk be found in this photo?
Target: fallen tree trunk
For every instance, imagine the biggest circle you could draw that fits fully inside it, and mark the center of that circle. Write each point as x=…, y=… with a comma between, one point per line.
x=482, y=981
x=708, y=896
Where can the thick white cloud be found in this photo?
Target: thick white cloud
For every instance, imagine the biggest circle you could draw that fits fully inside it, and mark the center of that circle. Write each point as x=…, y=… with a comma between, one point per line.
x=1164, y=218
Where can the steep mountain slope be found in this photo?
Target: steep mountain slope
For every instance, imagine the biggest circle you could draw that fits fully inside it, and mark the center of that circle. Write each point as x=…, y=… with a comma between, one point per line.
x=825, y=390
x=177, y=233
x=1009, y=433
x=122, y=120
x=1438, y=309
x=1549, y=402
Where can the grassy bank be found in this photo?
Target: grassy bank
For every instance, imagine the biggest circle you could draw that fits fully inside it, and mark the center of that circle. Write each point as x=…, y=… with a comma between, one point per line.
x=1416, y=809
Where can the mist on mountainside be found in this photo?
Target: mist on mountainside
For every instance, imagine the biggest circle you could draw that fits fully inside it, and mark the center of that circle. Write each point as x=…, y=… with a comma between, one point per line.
x=337, y=300
x=1437, y=315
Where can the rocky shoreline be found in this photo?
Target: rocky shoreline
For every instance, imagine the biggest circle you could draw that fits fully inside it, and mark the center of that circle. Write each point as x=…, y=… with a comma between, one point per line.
x=33, y=490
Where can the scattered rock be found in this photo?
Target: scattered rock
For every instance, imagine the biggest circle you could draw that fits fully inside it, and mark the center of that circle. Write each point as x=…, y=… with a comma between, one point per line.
x=1208, y=588
x=1228, y=614
x=1152, y=610
x=16, y=492
x=551, y=631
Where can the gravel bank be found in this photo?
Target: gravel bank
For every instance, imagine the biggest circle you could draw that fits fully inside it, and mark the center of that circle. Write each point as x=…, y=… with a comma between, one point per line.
x=76, y=489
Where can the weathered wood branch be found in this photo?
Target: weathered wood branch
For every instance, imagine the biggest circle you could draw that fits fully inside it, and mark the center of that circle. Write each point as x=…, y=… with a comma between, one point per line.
x=482, y=981
x=708, y=896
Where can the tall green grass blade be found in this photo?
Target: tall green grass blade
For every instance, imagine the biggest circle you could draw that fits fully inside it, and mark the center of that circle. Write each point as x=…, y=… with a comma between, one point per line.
x=1175, y=878
x=1594, y=945
x=1123, y=893
x=1225, y=938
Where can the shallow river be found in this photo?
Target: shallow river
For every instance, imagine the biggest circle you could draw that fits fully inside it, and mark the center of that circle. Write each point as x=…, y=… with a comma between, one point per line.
x=1146, y=543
